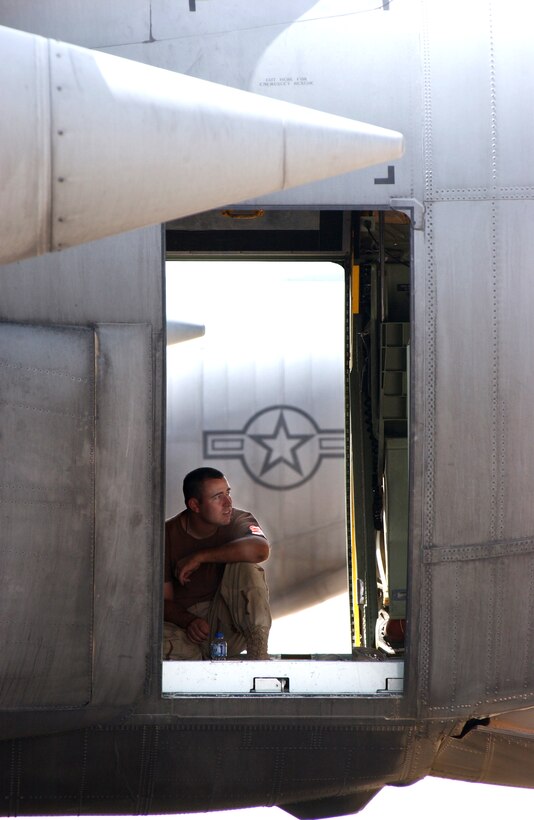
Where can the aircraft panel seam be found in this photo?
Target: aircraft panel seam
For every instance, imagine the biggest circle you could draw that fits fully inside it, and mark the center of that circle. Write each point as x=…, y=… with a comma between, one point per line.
x=512, y=699
x=473, y=552
x=508, y=192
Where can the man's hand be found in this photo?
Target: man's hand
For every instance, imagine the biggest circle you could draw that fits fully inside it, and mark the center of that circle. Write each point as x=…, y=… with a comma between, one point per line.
x=186, y=567
x=198, y=630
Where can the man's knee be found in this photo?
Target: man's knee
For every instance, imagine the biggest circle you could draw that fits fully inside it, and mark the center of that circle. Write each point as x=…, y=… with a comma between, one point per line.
x=177, y=646
x=244, y=576
x=245, y=593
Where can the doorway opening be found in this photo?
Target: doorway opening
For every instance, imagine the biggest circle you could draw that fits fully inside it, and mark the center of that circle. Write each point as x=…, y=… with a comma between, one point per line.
x=259, y=394
x=294, y=381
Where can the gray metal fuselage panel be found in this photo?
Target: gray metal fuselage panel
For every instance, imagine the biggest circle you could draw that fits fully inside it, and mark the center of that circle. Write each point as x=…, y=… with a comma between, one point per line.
x=82, y=355
x=471, y=566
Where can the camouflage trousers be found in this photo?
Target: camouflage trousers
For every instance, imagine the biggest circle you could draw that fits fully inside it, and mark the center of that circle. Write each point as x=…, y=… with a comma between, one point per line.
x=240, y=606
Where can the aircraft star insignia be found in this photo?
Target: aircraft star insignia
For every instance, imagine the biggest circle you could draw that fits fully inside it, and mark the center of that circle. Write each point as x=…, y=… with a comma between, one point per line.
x=281, y=446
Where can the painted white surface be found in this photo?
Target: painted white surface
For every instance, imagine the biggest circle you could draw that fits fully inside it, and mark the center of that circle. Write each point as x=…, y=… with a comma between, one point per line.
x=305, y=677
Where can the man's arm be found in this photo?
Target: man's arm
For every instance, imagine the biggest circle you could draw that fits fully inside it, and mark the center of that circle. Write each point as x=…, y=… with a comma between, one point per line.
x=252, y=549
x=172, y=611
x=197, y=628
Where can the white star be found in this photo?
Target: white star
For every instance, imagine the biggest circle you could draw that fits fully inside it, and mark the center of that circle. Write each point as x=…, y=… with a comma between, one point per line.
x=281, y=449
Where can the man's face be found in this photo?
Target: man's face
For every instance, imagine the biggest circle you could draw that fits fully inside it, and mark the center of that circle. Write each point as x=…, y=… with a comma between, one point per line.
x=215, y=505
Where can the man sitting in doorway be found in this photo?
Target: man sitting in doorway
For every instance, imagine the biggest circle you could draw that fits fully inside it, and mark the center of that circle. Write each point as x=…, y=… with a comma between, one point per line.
x=212, y=581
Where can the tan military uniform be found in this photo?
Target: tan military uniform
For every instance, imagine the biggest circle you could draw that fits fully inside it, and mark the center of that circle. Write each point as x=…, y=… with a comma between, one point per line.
x=239, y=609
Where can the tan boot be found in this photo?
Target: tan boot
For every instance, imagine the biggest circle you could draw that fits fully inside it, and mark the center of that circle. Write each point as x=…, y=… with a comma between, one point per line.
x=257, y=641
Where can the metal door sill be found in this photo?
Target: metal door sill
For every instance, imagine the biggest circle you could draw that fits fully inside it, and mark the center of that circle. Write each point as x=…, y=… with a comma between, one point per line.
x=295, y=677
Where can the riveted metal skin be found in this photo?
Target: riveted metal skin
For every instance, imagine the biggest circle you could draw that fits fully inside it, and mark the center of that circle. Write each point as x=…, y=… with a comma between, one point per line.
x=84, y=726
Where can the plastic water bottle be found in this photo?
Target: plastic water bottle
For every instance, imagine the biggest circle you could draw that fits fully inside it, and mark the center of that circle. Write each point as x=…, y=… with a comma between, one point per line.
x=218, y=648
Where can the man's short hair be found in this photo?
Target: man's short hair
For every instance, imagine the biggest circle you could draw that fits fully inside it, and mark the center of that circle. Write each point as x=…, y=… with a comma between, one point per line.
x=195, y=479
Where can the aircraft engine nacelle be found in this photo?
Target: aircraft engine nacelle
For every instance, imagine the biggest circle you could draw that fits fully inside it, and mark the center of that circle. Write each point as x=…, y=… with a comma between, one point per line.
x=96, y=145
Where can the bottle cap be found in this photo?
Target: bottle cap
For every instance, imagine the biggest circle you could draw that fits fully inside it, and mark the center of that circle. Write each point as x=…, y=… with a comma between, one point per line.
x=219, y=635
